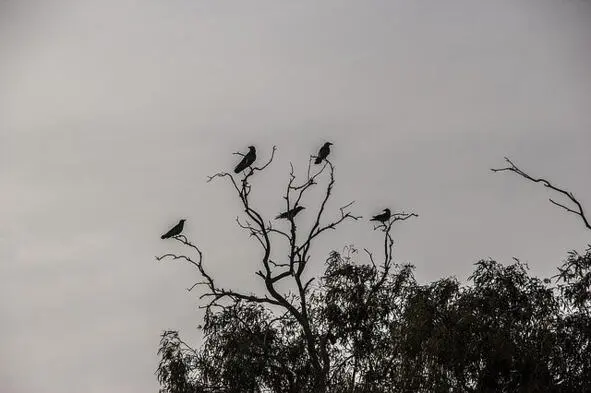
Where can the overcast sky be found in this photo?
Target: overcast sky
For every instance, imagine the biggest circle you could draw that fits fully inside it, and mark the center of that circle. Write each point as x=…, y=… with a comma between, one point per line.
x=113, y=112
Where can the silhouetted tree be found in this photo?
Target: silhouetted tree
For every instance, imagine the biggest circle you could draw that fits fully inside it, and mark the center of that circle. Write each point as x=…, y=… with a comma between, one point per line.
x=368, y=326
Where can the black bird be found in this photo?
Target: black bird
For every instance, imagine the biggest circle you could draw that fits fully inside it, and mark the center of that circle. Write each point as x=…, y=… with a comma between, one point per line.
x=290, y=214
x=385, y=216
x=247, y=160
x=176, y=230
x=323, y=153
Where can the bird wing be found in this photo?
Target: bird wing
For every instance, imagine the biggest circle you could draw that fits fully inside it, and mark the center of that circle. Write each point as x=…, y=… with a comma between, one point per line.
x=243, y=164
x=290, y=213
x=296, y=210
x=379, y=217
x=321, y=155
x=172, y=232
x=251, y=156
x=246, y=161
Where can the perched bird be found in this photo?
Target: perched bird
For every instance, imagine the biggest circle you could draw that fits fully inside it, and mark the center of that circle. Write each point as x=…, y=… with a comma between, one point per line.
x=175, y=230
x=385, y=216
x=323, y=153
x=247, y=160
x=290, y=214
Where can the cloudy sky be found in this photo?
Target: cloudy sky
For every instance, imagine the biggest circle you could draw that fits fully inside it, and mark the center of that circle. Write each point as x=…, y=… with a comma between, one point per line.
x=113, y=112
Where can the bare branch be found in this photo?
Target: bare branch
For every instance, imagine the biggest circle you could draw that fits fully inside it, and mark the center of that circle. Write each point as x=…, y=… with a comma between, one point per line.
x=370, y=255
x=308, y=284
x=310, y=180
x=388, y=247
x=310, y=164
x=278, y=264
x=300, y=315
x=332, y=225
x=214, y=292
x=268, y=162
x=578, y=210
x=394, y=218
x=224, y=174
x=271, y=229
x=272, y=271
x=316, y=228
x=254, y=232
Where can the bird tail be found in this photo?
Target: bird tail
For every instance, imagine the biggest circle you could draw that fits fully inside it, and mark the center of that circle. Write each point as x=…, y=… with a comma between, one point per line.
x=318, y=160
x=237, y=169
x=163, y=237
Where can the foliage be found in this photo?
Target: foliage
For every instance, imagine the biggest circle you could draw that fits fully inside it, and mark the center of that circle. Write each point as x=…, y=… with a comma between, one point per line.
x=369, y=326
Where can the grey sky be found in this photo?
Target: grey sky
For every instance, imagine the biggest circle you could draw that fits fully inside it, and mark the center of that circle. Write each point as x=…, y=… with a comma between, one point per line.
x=113, y=112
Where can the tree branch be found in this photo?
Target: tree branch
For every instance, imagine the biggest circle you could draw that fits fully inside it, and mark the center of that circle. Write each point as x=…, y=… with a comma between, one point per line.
x=214, y=291
x=274, y=271
x=388, y=245
x=578, y=210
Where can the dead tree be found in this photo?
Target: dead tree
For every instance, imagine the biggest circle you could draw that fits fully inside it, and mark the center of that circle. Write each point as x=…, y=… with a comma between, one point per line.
x=299, y=242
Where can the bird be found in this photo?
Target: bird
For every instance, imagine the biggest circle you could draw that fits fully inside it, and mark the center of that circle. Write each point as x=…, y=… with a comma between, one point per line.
x=323, y=153
x=247, y=160
x=290, y=214
x=175, y=230
x=385, y=216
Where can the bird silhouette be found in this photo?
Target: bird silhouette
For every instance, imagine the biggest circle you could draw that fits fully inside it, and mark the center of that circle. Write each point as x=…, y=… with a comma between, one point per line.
x=290, y=214
x=175, y=230
x=323, y=153
x=385, y=216
x=247, y=160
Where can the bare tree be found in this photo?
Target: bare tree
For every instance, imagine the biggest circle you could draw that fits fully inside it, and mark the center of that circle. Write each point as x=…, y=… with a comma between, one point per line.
x=299, y=242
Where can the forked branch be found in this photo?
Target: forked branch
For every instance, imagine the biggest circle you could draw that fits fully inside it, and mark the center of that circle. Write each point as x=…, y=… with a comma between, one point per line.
x=386, y=227
x=578, y=207
x=213, y=291
x=273, y=271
